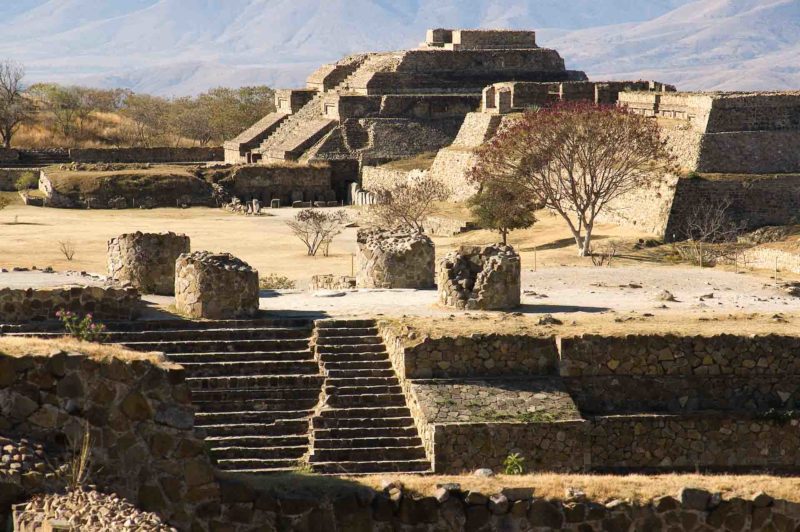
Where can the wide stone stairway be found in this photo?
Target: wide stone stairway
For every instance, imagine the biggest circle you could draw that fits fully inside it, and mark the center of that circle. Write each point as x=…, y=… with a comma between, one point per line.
x=255, y=384
x=364, y=425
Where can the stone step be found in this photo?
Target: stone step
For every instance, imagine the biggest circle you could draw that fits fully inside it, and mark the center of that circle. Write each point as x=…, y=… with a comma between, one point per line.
x=255, y=381
x=256, y=405
x=281, y=427
x=352, y=357
x=349, y=340
x=248, y=429
x=291, y=440
x=360, y=381
x=344, y=348
x=378, y=441
x=344, y=324
x=161, y=325
x=352, y=454
x=260, y=356
x=391, y=466
x=365, y=412
x=347, y=333
x=360, y=423
x=362, y=390
x=258, y=466
x=356, y=364
x=205, y=419
x=269, y=453
x=234, y=368
x=255, y=395
x=248, y=333
x=409, y=431
x=211, y=346
x=360, y=373
x=365, y=400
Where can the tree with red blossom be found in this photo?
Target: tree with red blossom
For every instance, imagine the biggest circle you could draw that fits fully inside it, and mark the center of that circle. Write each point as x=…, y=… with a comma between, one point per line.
x=574, y=158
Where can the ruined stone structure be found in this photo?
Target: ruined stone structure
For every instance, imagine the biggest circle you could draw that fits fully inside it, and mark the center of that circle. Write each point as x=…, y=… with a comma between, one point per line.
x=378, y=107
x=215, y=286
x=389, y=259
x=146, y=261
x=484, y=278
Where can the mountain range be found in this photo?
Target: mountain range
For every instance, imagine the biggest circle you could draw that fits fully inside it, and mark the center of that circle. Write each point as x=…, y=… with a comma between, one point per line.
x=177, y=47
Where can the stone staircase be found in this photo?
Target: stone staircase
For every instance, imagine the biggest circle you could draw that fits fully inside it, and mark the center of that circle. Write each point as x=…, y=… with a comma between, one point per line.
x=364, y=425
x=297, y=133
x=255, y=385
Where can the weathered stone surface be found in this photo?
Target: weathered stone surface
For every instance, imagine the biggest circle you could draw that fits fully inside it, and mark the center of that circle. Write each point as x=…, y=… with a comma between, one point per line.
x=19, y=305
x=215, y=286
x=480, y=278
x=388, y=259
x=146, y=261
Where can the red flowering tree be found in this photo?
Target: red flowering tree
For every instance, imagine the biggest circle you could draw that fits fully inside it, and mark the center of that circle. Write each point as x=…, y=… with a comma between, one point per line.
x=574, y=158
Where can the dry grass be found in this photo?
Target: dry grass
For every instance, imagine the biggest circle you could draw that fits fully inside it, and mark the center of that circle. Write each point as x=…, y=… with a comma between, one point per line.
x=17, y=346
x=423, y=161
x=465, y=325
x=604, y=487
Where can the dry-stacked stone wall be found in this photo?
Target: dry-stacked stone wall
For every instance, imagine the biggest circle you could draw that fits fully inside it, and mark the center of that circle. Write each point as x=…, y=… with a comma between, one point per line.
x=480, y=277
x=139, y=416
x=146, y=261
x=388, y=259
x=215, y=286
x=20, y=305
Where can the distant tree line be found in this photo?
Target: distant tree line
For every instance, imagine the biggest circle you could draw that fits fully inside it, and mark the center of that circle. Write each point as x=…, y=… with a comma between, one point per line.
x=74, y=115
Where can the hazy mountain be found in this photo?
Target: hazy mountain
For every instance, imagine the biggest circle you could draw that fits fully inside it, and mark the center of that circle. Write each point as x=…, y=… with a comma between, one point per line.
x=185, y=46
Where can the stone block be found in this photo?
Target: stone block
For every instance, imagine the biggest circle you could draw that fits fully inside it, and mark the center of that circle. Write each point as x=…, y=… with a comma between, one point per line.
x=480, y=278
x=146, y=261
x=389, y=259
x=215, y=286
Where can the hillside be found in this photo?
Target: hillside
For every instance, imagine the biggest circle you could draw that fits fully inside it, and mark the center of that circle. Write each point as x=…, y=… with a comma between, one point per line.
x=174, y=47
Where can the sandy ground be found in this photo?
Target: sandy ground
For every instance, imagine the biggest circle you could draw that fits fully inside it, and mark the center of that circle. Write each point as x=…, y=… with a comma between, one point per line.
x=562, y=283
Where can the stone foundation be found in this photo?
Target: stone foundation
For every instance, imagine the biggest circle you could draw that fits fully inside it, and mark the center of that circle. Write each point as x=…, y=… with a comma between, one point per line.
x=332, y=282
x=389, y=259
x=484, y=278
x=19, y=305
x=146, y=261
x=215, y=286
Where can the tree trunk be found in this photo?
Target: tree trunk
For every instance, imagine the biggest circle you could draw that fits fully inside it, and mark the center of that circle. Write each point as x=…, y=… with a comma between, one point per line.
x=505, y=237
x=587, y=239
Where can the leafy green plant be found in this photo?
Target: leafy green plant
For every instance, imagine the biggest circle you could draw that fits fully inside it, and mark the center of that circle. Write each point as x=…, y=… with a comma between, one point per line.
x=26, y=181
x=514, y=464
x=276, y=282
x=537, y=417
x=82, y=328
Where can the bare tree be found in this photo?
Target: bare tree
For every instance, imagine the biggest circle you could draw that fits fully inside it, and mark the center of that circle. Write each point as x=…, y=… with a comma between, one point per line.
x=317, y=229
x=710, y=231
x=407, y=204
x=67, y=248
x=15, y=107
x=574, y=158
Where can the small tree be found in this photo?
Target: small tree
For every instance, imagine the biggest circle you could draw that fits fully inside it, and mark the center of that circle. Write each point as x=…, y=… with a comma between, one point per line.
x=317, y=229
x=15, y=107
x=407, y=204
x=26, y=181
x=574, y=158
x=710, y=231
x=502, y=209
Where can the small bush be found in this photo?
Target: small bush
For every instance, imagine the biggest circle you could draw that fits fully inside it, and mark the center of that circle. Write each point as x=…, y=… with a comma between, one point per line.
x=67, y=248
x=26, y=181
x=317, y=228
x=82, y=328
x=514, y=464
x=276, y=282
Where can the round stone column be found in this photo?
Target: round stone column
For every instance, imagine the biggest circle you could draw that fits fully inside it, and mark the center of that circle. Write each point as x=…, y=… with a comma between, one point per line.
x=146, y=261
x=215, y=286
x=481, y=278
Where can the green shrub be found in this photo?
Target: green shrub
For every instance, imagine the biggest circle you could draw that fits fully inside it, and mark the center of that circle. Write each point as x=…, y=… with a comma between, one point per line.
x=514, y=464
x=82, y=328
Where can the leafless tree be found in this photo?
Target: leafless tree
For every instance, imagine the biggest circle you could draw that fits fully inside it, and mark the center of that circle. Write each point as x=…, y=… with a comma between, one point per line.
x=317, y=228
x=407, y=204
x=710, y=231
x=15, y=107
x=67, y=248
x=574, y=158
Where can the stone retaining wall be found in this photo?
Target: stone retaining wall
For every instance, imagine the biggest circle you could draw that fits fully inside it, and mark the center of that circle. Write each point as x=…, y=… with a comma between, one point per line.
x=139, y=416
x=9, y=177
x=8, y=155
x=147, y=155
x=332, y=282
x=287, y=183
x=477, y=355
x=787, y=259
x=19, y=305
x=655, y=355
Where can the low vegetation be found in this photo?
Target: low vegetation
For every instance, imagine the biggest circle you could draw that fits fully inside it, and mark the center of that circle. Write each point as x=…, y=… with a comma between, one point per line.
x=407, y=204
x=317, y=228
x=274, y=281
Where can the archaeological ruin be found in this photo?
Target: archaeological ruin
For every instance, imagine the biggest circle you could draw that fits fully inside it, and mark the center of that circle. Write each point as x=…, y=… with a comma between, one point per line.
x=480, y=278
x=393, y=259
x=146, y=261
x=215, y=286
